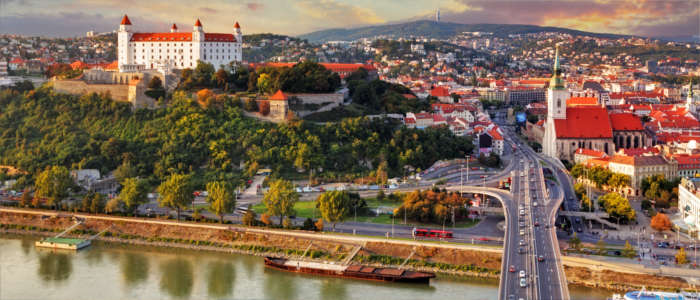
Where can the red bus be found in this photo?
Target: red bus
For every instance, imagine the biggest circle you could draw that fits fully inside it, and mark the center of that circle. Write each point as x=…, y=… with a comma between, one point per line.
x=433, y=233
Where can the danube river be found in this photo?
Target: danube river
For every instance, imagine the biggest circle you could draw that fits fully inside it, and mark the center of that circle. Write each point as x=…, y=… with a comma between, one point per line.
x=113, y=271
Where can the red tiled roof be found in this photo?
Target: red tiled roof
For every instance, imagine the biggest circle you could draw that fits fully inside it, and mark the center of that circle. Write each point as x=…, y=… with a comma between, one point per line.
x=125, y=20
x=198, y=23
x=162, y=37
x=686, y=161
x=439, y=91
x=78, y=65
x=174, y=27
x=236, y=25
x=408, y=96
x=626, y=122
x=590, y=152
x=577, y=101
x=219, y=37
x=17, y=60
x=279, y=96
x=584, y=122
x=495, y=134
x=600, y=162
x=638, y=160
x=410, y=120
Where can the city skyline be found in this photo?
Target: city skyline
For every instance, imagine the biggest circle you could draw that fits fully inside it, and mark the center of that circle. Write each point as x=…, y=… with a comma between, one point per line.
x=74, y=17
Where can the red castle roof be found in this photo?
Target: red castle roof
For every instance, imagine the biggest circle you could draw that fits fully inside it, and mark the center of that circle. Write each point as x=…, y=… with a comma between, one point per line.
x=125, y=20
x=174, y=27
x=584, y=122
x=198, y=23
x=236, y=25
x=180, y=37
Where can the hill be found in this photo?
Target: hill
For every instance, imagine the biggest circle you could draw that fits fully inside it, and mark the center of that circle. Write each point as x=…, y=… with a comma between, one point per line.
x=438, y=30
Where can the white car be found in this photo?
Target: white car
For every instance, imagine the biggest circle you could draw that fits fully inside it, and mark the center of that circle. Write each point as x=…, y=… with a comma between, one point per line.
x=521, y=274
x=534, y=204
x=522, y=232
x=522, y=212
x=523, y=282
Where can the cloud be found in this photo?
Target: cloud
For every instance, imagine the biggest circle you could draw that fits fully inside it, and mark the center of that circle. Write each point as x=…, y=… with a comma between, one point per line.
x=253, y=6
x=337, y=14
x=638, y=17
x=64, y=24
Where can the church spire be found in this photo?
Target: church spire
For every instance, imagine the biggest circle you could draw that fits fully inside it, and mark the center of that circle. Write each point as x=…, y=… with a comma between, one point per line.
x=556, y=81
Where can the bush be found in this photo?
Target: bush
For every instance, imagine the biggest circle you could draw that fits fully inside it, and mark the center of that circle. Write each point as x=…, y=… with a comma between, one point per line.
x=250, y=105
x=661, y=222
x=319, y=225
x=249, y=218
x=308, y=225
x=287, y=223
x=265, y=218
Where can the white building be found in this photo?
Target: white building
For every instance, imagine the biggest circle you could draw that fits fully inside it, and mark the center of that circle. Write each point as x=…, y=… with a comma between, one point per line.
x=689, y=204
x=176, y=50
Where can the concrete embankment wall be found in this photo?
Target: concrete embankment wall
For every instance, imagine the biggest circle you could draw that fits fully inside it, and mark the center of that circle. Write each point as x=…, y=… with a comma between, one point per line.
x=119, y=92
x=487, y=259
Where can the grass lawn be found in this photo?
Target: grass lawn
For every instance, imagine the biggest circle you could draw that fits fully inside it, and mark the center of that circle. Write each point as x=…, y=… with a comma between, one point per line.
x=304, y=209
x=386, y=219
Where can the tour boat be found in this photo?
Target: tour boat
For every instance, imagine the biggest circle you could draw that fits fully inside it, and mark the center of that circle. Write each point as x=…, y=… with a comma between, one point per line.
x=654, y=295
x=350, y=271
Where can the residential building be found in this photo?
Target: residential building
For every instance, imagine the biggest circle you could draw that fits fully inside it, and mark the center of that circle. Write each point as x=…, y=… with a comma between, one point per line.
x=640, y=167
x=689, y=205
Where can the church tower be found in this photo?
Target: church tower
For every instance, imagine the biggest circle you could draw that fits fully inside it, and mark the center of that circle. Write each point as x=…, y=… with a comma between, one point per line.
x=124, y=56
x=690, y=101
x=557, y=93
x=556, y=109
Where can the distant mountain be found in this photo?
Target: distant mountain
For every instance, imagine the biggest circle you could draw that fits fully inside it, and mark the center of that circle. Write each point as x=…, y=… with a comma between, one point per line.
x=432, y=29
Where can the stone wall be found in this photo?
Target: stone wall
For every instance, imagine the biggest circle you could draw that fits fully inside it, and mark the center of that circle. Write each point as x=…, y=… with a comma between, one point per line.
x=319, y=98
x=119, y=92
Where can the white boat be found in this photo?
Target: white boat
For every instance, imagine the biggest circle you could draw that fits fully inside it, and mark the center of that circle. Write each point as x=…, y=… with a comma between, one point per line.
x=654, y=295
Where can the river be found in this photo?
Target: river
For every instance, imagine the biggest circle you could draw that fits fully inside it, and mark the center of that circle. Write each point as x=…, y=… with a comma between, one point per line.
x=114, y=271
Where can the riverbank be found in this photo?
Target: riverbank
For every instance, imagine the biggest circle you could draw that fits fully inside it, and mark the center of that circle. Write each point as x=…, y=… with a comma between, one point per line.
x=453, y=259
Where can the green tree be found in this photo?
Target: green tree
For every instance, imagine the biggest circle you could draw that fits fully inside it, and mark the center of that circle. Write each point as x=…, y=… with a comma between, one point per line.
x=155, y=83
x=629, y=251
x=617, y=207
x=221, y=198
x=125, y=170
x=249, y=218
x=133, y=193
x=26, y=199
x=601, y=246
x=280, y=199
x=203, y=73
x=575, y=242
x=176, y=192
x=264, y=83
x=334, y=206
x=53, y=184
x=221, y=77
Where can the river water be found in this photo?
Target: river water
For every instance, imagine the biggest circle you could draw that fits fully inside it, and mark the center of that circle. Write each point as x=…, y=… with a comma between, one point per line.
x=113, y=271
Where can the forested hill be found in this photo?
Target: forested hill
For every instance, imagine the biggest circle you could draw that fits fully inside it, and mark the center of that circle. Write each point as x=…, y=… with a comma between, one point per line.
x=432, y=29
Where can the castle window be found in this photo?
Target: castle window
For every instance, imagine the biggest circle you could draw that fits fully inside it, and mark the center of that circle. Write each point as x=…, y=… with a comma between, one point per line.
x=558, y=102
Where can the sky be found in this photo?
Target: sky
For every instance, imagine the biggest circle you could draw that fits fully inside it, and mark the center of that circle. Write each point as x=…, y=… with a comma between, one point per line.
x=659, y=18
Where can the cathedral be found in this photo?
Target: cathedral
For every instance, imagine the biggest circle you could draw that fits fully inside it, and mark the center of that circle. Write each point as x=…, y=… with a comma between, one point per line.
x=138, y=51
x=580, y=122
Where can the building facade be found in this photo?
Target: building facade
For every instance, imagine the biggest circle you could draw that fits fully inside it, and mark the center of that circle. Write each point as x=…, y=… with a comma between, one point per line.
x=689, y=204
x=139, y=51
x=640, y=167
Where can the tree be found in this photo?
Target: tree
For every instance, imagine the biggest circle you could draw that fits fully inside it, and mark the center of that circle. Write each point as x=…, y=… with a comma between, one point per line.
x=264, y=108
x=617, y=207
x=133, y=193
x=334, y=206
x=661, y=222
x=25, y=200
x=601, y=246
x=265, y=218
x=125, y=170
x=280, y=199
x=250, y=105
x=155, y=83
x=176, y=192
x=578, y=171
x=204, y=97
x=221, y=199
x=575, y=242
x=629, y=251
x=249, y=218
x=52, y=184
x=681, y=258
x=221, y=77
x=203, y=73
x=264, y=83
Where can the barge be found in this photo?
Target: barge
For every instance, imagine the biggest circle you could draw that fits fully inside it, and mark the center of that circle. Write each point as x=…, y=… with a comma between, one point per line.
x=349, y=271
x=62, y=243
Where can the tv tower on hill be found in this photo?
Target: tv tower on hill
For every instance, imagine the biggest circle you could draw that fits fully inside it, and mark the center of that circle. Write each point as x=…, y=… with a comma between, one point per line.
x=437, y=15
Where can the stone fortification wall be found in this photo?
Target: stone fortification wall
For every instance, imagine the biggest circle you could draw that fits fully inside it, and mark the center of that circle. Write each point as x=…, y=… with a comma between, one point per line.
x=319, y=98
x=119, y=92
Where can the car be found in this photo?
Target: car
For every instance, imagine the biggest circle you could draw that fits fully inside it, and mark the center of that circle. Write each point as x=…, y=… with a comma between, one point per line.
x=482, y=176
x=537, y=224
x=521, y=250
x=511, y=297
x=522, y=243
x=522, y=232
x=521, y=274
x=522, y=224
x=577, y=220
x=523, y=282
x=522, y=212
x=534, y=203
x=511, y=269
x=484, y=239
x=540, y=258
x=579, y=229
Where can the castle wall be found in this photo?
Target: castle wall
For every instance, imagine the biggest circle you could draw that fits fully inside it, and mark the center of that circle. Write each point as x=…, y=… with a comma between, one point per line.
x=119, y=92
x=336, y=98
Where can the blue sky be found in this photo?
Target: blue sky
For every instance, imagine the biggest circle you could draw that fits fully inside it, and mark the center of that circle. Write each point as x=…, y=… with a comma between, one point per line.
x=292, y=17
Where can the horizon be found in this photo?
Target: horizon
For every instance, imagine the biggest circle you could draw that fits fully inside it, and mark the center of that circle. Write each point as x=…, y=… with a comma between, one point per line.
x=71, y=18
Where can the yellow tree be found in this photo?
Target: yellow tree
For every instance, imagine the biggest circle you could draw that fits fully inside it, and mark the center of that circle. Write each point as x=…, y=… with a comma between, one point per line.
x=220, y=198
x=681, y=259
x=334, y=206
x=176, y=192
x=280, y=199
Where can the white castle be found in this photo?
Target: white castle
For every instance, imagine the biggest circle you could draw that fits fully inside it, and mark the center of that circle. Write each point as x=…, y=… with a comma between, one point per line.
x=164, y=51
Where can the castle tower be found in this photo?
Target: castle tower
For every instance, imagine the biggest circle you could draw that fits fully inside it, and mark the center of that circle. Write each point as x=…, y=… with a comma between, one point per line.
x=173, y=28
x=198, y=32
x=124, y=56
x=237, y=32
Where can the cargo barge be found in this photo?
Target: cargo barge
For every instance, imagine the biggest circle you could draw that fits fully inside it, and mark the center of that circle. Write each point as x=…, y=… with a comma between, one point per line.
x=349, y=271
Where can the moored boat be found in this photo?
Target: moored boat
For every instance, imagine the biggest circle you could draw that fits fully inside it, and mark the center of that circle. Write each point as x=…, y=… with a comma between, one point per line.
x=654, y=295
x=350, y=271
